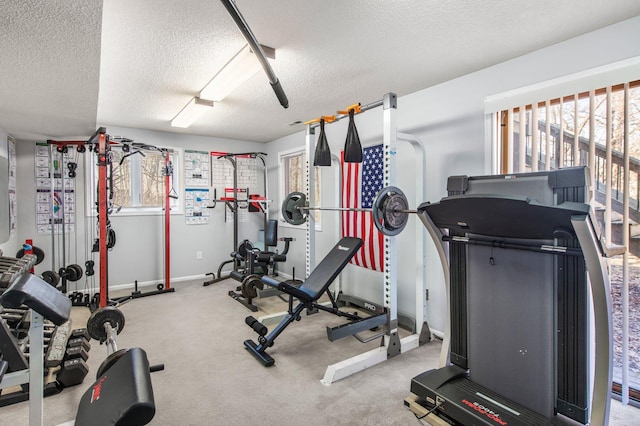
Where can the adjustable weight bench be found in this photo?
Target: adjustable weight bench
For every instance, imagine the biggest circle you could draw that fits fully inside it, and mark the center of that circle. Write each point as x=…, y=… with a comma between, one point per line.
x=308, y=294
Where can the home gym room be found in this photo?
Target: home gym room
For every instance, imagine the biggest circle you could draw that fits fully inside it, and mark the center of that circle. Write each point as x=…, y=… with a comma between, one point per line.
x=280, y=212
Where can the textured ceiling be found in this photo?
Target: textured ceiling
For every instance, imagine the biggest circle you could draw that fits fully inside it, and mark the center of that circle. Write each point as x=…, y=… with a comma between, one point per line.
x=69, y=65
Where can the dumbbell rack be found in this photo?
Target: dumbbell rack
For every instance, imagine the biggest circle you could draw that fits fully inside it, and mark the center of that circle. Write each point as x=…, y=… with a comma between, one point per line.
x=14, y=346
x=61, y=347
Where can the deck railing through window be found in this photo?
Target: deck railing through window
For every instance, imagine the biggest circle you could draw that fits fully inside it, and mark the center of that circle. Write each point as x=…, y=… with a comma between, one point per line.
x=599, y=129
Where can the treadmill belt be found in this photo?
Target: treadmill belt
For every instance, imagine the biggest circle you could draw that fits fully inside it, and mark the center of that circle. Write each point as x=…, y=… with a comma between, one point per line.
x=468, y=403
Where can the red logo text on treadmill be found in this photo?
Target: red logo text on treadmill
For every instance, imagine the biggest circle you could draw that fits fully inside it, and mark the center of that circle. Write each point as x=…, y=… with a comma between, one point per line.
x=95, y=393
x=486, y=411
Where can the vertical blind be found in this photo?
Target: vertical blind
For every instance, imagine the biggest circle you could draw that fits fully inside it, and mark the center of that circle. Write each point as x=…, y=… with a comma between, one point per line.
x=599, y=128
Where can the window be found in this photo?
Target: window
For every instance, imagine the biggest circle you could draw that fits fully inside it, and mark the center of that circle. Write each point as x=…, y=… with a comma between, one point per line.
x=599, y=128
x=138, y=181
x=292, y=175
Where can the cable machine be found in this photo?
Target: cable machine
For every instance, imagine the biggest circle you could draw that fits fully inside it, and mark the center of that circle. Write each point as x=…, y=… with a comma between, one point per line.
x=169, y=193
x=100, y=143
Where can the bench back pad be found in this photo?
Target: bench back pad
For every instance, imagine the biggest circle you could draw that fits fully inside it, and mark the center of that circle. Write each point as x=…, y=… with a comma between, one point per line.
x=330, y=267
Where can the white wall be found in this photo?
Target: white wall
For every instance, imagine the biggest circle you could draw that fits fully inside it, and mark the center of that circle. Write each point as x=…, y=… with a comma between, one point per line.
x=450, y=119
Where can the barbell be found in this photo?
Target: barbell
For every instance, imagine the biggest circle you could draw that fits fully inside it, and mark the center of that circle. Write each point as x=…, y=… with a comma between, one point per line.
x=390, y=210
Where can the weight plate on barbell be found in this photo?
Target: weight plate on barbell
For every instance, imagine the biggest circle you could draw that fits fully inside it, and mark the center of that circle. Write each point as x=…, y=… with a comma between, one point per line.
x=386, y=217
x=101, y=316
x=292, y=211
x=393, y=211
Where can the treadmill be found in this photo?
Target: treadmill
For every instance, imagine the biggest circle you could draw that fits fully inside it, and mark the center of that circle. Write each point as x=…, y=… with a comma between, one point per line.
x=528, y=290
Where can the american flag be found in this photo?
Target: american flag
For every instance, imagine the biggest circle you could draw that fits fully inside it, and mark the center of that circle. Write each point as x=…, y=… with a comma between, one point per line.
x=360, y=185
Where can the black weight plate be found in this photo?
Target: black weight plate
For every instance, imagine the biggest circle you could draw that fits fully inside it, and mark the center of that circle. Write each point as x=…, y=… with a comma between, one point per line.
x=78, y=271
x=51, y=277
x=393, y=214
x=109, y=361
x=244, y=289
x=36, y=250
x=383, y=211
x=101, y=316
x=249, y=284
x=111, y=238
x=291, y=211
x=244, y=248
x=70, y=273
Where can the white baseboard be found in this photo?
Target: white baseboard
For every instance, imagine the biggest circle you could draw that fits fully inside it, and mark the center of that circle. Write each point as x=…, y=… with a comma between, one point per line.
x=156, y=282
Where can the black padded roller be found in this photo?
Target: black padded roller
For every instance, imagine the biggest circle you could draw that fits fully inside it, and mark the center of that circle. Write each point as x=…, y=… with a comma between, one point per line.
x=256, y=325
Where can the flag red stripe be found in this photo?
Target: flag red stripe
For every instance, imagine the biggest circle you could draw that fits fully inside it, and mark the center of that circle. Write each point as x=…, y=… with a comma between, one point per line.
x=359, y=224
x=370, y=239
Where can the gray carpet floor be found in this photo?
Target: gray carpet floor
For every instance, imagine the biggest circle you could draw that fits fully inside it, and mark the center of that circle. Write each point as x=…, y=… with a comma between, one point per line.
x=210, y=379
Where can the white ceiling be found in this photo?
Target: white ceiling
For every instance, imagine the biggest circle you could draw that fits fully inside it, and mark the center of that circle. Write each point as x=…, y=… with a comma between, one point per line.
x=67, y=66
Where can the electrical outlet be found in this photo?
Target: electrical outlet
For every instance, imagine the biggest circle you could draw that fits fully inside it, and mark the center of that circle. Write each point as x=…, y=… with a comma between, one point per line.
x=198, y=255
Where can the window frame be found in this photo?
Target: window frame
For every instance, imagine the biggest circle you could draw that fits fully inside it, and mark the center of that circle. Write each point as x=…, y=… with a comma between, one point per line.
x=176, y=205
x=283, y=188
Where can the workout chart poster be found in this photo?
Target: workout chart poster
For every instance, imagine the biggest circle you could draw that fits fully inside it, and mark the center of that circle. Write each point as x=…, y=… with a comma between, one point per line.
x=53, y=209
x=196, y=168
x=196, y=202
x=13, y=207
x=222, y=181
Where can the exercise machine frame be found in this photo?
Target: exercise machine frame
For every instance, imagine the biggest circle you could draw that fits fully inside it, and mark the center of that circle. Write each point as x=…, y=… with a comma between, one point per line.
x=562, y=390
x=234, y=204
x=392, y=345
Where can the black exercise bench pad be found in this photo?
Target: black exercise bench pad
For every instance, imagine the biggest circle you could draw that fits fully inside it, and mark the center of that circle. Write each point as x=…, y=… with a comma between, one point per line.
x=123, y=395
x=504, y=216
x=38, y=295
x=324, y=273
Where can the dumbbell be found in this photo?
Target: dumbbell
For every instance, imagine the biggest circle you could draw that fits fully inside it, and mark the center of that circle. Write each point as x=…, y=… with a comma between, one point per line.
x=56, y=350
x=15, y=267
x=72, y=272
x=48, y=331
x=51, y=277
x=10, y=315
x=72, y=169
x=74, y=368
x=88, y=266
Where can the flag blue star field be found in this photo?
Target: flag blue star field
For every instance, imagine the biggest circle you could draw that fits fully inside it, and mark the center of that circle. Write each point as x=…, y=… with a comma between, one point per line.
x=360, y=185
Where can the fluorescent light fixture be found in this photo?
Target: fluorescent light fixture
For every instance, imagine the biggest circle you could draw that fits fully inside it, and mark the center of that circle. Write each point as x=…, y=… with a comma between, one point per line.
x=236, y=72
x=191, y=112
